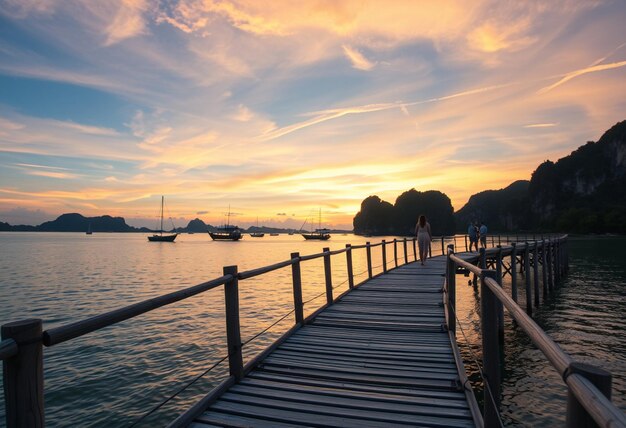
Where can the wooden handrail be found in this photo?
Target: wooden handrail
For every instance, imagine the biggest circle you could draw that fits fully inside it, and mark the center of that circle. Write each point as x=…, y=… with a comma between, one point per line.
x=559, y=359
x=61, y=334
x=260, y=271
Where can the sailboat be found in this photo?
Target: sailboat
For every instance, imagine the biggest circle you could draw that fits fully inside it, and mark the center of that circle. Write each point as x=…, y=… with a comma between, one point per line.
x=89, y=232
x=319, y=233
x=257, y=234
x=160, y=237
x=227, y=232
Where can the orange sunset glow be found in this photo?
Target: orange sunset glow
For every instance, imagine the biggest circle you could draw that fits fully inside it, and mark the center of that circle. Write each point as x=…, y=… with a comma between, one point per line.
x=279, y=109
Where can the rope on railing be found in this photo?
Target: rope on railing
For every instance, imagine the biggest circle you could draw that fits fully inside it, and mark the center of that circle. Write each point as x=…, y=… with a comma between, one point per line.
x=171, y=397
x=265, y=330
x=480, y=370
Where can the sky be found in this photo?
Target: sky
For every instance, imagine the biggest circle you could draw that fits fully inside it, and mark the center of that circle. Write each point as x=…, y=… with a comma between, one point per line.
x=279, y=110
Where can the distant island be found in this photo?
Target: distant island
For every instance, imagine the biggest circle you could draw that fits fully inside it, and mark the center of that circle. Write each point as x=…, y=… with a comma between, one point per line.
x=73, y=222
x=584, y=192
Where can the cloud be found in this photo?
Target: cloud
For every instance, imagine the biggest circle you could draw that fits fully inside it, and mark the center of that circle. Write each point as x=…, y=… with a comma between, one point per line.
x=541, y=125
x=573, y=74
x=358, y=60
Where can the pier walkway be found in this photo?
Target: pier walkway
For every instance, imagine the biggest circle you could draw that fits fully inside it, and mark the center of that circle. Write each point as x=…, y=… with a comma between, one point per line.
x=379, y=356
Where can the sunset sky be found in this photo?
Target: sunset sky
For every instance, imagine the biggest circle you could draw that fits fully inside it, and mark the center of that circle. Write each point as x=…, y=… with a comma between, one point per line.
x=281, y=108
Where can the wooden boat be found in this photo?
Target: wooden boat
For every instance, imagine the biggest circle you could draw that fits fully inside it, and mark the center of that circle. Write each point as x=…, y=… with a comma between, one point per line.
x=257, y=234
x=227, y=232
x=160, y=237
x=319, y=233
x=273, y=234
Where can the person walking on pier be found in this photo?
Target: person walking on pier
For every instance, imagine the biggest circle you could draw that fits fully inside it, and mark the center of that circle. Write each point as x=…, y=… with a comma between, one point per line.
x=422, y=231
x=472, y=232
x=483, y=235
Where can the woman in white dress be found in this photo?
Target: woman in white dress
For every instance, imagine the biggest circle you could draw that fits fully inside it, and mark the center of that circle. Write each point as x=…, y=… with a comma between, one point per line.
x=422, y=231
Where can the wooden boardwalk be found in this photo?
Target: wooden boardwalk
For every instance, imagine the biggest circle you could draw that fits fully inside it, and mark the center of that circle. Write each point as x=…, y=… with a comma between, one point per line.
x=380, y=356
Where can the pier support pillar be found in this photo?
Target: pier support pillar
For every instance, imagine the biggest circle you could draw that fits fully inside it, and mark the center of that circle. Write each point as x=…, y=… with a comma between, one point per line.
x=514, y=271
x=491, y=349
x=384, y=254
x=329, y=276
x=349, y=266
x=577, y=416
x=297, y=287
x=529, y=293
x=233, y=332
x=451, y=285
x=23, y=375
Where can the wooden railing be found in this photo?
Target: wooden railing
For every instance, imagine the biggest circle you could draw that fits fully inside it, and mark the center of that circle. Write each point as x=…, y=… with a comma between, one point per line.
x=589, y=387
x=21, y=348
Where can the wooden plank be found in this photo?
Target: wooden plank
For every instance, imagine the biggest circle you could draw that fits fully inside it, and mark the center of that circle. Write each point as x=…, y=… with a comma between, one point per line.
x=339, y=390
x=327, y=416
x=364, y=402
x=407, y=391
x=239, y=421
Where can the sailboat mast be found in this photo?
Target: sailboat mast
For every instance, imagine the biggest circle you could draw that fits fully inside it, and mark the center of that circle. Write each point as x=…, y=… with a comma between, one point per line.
x=320, y=221
x=162, y=197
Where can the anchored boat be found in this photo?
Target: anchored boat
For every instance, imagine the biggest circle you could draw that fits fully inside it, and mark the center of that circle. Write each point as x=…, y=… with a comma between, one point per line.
x=160, y=237
x=227, y=232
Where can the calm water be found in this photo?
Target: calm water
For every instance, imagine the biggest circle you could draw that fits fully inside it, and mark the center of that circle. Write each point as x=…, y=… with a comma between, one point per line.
x=113, y=376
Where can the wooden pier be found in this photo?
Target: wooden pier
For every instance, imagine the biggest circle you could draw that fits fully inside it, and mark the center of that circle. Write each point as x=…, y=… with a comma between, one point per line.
x=383, y=353
x=380, y=356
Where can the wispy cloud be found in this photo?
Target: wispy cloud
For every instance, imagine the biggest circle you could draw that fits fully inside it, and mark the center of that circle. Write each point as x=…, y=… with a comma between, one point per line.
x=573, y=74
x=541, y=125
x=358, y=59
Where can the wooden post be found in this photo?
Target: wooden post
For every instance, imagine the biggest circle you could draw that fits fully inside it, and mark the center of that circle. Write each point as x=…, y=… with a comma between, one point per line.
x=406, y=253
x=544, y=271
x=557, y=262
x=451, y=283
x=297, y=288
x=482, y=258
x=493, y=241
x=368, y=250
x=499, y=240
x=384, y=247
x=529, y=293
x=443, y=248
x=514, y=272
x=23, y=375
x=577, y=416
x=414, y=249
x=491, y=349
x=466, y=247
x=395, y=251
x=329, y=276
x=549, y=263
x=233, y=332
x=349, y=266
x=536, y=274
x=500, y=306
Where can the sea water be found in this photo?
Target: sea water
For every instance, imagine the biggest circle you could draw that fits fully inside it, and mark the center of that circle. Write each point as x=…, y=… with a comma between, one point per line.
x=112, y=377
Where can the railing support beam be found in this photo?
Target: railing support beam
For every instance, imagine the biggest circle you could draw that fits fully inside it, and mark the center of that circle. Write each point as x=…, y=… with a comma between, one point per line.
x=297, y=288
x=577, y=416
x=23, y=375
x=329, y=276
x=233, y=328
x=349, y=266
x=368, y=250
x=491, y=349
